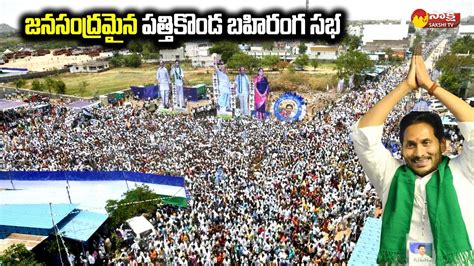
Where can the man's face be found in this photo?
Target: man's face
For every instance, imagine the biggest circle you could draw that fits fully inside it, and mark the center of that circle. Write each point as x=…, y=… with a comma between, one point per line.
x=176, y=64
x=421, y=149
x=242, y=70
x=421, y=251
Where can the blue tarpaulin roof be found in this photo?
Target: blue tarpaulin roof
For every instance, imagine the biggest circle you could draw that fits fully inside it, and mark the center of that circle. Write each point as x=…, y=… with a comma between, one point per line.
x=83, y=225
x=33, y=215
x=36, y=219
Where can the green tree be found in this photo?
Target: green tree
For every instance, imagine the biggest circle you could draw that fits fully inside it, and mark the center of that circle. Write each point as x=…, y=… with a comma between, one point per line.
x=36, y=85
x=20, y=83
x=302, y=60
x=453, y=62
x=83, y=87
x=389, y=53
x=133, y=60
x=242, y=59
x=55, y=85
x=267, y=45
x=135, y=46
x=225, y=48
x=132, y=204
x=117, y=60
x=351, y=42
x=302, y=48
x=50, y=84
x=150, y=51
x=455, y=72
x=270, y=61
x=395, y=60
x=352, y=63
x=18, y=254
x=60, y=87
x=452, y=82
x=463, y=45
x=314, y=63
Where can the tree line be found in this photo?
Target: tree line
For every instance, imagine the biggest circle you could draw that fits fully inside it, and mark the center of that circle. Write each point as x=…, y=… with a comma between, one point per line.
x=48, y=84
x=456, y=66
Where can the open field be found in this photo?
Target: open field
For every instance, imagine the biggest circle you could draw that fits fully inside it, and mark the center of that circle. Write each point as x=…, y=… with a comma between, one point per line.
x=122, y=78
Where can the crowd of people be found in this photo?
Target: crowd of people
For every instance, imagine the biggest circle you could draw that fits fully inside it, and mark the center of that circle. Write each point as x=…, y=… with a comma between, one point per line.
x=262, y=192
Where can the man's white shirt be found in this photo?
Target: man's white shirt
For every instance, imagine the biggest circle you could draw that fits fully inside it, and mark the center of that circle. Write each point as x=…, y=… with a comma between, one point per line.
x=163, y=78
x=380, y=167
x=178, y=74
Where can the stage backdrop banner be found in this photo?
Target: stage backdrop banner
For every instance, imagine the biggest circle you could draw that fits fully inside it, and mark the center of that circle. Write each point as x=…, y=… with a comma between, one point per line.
x=146, y=92
x=165, y=182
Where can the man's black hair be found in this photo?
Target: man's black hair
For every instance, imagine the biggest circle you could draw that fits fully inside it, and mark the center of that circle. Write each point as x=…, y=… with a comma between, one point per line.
x=430, y=118
x=420, y=246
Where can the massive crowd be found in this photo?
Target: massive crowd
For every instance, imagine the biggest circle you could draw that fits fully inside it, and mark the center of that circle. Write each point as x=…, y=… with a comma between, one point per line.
x=289, y=193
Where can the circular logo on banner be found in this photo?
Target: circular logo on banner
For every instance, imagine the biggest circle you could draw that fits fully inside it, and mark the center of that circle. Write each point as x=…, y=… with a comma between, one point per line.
x=289, y=107
x=419, y=18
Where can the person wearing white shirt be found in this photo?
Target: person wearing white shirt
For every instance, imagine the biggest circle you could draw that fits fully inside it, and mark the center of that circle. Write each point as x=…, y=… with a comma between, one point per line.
x=421, y=258
x=163, y=78
x=429, y=197
x=242, y=87
x=178, y=74
x=224, y=87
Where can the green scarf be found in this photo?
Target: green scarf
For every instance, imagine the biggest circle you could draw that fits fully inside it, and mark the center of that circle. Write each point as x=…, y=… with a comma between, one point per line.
x=451, y=241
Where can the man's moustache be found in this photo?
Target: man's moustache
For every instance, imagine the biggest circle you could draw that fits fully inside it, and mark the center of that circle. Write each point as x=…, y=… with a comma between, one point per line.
x=421, y=158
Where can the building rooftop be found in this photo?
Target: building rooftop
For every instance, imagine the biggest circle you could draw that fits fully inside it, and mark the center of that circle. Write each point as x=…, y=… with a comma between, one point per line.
x=33, y=215
x=83, y=225
x=466, y=29
x=384, y=32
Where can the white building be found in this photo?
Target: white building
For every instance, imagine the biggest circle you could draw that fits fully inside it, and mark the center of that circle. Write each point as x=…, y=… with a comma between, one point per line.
x=322, y=52
x=384, y=32
x=378, y=37
x=193, y=49
x=256, y=49
x=199, y=54
x=284, y=55
x=172, y=54
x=465, y=30
x=91, y=67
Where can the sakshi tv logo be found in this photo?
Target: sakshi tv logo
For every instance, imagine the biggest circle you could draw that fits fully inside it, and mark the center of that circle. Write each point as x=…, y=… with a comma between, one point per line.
x=422, y=19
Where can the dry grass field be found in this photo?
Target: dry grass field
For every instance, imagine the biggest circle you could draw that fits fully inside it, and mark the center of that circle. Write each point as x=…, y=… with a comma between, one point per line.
x=122, y=78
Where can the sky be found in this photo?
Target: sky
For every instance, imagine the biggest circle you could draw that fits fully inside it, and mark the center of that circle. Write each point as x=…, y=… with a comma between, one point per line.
x=11, y=10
